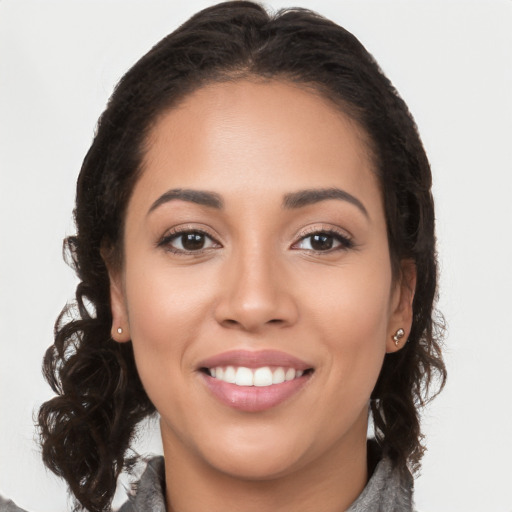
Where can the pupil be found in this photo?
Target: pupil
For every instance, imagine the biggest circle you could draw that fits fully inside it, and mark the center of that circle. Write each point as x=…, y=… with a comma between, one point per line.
x=193, y=241
x=321, y=242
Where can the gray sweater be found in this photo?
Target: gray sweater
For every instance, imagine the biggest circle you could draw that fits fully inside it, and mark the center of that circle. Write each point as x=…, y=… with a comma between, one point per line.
x=386, y=491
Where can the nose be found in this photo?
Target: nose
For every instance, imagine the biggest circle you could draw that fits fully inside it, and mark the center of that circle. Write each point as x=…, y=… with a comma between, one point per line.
x=255, y=294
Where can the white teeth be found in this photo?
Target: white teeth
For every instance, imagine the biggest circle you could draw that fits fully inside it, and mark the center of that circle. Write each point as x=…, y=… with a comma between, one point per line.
x=260, y=377
x=263, y=377
x=244, y=377
x=229, y=375
x=278, y=376
x=290, y=374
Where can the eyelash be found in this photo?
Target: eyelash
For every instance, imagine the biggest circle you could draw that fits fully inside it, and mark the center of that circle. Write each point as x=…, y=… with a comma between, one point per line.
x=345, y=243
x=166, y=241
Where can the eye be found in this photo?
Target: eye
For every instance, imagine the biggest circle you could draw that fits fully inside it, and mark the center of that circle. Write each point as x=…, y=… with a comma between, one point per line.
x=188, y=242
x=324, y=241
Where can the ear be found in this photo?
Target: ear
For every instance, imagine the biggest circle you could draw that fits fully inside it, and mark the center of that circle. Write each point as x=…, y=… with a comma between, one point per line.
x=401, y=312
x=120, y=328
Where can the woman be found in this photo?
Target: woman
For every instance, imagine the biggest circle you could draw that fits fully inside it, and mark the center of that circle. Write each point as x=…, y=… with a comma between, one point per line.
x=255, y=245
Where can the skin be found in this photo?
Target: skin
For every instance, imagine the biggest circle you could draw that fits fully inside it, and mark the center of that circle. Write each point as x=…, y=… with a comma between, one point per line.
x=259, y=285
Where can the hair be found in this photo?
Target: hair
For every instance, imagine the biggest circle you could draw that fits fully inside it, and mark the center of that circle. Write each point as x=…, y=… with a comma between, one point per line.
x=86, y=430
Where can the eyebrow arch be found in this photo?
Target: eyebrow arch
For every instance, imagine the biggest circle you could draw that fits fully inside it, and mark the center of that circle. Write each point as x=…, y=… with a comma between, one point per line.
x=315, y=195
x=202, y=197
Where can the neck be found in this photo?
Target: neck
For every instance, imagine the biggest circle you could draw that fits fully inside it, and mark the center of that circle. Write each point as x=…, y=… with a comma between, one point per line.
x=330, y=483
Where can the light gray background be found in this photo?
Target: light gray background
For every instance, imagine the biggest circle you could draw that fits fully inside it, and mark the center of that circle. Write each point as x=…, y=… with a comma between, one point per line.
x=452, y=63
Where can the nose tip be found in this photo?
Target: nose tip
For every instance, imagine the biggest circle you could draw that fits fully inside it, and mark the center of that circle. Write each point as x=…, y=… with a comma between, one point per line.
x=254, y=299
x=251, y=318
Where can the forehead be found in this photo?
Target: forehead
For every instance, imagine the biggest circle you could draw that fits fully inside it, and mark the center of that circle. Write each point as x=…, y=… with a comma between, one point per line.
x=252, y=137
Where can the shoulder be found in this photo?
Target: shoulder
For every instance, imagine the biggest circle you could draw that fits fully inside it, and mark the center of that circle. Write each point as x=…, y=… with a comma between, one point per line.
x=7, y=505
x=148, y=494
x=387, y=490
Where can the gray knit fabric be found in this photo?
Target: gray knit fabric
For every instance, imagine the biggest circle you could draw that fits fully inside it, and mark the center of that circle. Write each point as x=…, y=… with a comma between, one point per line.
x=149, y=493
x=386, y=491
x=8, y=505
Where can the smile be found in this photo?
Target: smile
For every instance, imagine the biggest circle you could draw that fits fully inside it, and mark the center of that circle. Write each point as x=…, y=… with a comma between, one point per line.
x=260, y=377
x=254, y=381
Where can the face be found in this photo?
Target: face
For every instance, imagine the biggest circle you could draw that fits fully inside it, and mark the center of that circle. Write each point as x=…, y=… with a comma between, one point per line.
x=256, y=286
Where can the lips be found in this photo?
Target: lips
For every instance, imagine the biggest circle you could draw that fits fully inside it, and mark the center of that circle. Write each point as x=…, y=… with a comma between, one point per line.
x=255, y=359
x=254, y=381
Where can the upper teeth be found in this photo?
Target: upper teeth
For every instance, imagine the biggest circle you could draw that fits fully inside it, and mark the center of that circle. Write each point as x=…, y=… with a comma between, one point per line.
x=264, y=376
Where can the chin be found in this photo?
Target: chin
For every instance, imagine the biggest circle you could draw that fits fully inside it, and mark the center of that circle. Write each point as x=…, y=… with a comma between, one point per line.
x=253, y=454
x=261, y=466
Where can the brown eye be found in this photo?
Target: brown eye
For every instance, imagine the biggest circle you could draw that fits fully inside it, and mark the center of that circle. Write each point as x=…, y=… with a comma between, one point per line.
x=324, y=241
x=192, y=241
x=188, y=241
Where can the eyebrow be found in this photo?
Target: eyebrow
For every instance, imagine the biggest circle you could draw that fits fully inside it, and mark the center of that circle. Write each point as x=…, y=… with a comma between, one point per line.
x=292, y=200
x=202, y=197
x=306, y=197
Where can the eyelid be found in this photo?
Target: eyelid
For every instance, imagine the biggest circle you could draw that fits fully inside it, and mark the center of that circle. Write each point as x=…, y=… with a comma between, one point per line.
x=176, y=231
x=324, y=228
x=345, y=238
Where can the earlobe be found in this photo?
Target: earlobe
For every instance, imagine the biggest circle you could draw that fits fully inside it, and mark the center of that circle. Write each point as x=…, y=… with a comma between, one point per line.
x=401, y=318
x=120, y=328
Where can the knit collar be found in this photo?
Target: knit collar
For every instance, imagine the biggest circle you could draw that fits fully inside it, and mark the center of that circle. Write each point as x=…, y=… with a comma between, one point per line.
x=386, y=491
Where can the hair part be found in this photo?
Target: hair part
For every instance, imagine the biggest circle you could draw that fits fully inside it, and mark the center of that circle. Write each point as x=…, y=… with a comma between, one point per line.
x=87, y=428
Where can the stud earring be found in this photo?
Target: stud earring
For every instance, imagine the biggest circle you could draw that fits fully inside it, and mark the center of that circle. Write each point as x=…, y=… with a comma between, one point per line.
x=398, y=336
x=119, y=330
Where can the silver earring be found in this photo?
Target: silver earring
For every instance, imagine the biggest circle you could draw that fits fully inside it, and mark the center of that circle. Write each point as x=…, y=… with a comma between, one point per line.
x=398, y=336
x=119, y=330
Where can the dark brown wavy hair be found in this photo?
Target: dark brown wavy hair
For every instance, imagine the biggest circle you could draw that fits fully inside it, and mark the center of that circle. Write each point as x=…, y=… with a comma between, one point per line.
x=87, y=428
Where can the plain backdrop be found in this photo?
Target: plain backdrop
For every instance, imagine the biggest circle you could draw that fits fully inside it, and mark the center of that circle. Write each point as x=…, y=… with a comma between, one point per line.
x=452, y=63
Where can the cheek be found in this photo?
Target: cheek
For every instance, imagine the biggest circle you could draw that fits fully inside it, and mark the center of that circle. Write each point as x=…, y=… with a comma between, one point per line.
x=354, y=300
x=164, y=310
x=351, y=314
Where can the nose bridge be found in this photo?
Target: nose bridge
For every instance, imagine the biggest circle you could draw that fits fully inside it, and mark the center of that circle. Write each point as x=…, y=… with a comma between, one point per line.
x=255, y=276
x=255, y=293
